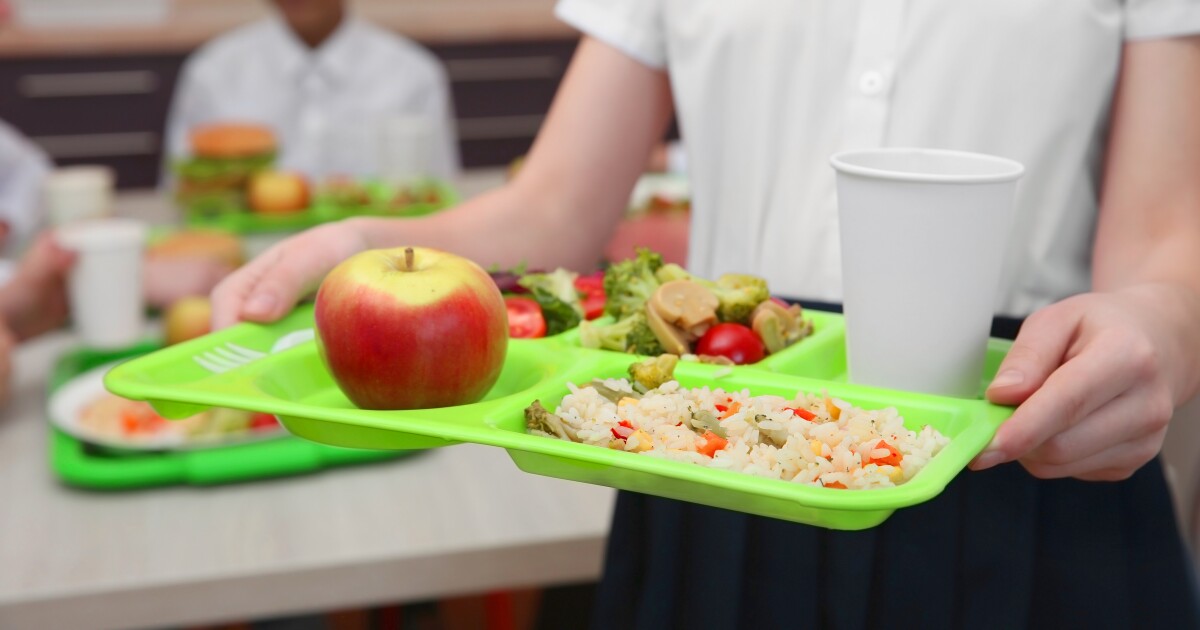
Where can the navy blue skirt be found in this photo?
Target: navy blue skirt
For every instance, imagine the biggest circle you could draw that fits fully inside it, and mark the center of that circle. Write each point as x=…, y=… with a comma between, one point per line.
x=997, y=549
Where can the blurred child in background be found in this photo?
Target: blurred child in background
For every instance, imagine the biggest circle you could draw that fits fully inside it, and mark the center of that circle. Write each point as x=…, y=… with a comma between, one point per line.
x=326, y=82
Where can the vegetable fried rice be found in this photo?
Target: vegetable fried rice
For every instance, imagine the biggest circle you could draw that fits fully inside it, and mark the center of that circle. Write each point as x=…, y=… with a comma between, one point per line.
x=810, y=439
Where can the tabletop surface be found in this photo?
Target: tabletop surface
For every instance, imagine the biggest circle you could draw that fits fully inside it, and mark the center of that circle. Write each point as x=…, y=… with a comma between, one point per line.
x=456, y=520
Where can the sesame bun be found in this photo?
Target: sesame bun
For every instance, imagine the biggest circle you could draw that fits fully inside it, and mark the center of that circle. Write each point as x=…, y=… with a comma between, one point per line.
x=232, y=140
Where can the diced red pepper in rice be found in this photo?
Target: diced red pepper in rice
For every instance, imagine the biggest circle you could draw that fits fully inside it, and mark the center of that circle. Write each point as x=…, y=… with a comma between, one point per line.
x=885, y=454
x=712, y=444
x=803, y=413
x=623, y=431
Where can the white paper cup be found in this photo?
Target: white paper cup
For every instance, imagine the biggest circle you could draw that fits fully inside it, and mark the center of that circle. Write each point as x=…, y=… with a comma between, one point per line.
x=923, y=235
x=75, y=193
x=105, y=284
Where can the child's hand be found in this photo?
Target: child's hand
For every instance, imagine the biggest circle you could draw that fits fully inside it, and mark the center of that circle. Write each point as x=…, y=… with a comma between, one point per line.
x=1097, y=377
x=269, y=286
x=168, y=279
x=35, y=299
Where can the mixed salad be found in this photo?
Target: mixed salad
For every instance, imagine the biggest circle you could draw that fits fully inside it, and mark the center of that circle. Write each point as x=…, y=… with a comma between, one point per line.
x=660, y=308
x=543, y=304
x=654, y=308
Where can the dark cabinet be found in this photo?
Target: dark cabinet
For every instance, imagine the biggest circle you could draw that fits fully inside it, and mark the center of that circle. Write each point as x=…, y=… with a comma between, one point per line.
x=112, y=109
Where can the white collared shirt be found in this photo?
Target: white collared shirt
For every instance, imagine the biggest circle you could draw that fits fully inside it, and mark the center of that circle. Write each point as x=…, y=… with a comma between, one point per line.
x=766, y=90
x=327, y=105
x=23, y=168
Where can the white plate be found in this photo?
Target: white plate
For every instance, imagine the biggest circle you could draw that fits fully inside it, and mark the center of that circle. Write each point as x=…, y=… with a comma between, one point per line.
x=66, y=406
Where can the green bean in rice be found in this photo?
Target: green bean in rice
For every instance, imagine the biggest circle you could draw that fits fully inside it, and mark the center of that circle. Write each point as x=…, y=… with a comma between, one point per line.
x=809, y=439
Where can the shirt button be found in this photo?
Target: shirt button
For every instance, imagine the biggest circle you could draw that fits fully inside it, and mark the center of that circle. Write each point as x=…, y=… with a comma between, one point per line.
x=871, y=83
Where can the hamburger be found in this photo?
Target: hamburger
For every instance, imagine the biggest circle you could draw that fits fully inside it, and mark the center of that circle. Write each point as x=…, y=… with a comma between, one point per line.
x=224, y=158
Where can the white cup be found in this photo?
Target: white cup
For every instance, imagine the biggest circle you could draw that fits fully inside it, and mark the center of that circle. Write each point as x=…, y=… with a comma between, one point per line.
x=74, y=193
x=105, y=284
x=406, y=149
x=923, y=235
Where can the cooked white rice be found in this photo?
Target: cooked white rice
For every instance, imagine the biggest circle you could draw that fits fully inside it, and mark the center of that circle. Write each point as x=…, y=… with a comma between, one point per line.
x=822, y=451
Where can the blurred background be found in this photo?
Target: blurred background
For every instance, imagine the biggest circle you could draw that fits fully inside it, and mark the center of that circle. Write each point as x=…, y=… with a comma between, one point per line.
x=91, y=82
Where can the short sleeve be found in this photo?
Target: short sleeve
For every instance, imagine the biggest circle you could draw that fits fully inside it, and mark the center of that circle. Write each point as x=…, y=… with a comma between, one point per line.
x=634, y=27
x=1161, y=19
x=23, y=166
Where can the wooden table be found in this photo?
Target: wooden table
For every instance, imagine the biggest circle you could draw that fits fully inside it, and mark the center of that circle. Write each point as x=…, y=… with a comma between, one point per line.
x=452, y=521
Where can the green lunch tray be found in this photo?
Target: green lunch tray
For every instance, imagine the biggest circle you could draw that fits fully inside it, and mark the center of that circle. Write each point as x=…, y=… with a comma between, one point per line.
x=240, y=220
x=295, y=385
x=88, y=466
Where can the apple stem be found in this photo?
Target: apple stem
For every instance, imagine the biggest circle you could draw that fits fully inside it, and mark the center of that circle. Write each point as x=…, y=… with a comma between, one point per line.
x=408, y=258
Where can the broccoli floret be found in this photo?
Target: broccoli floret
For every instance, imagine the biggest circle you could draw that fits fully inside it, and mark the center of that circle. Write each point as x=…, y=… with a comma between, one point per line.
x=631, y=334
x=671, y=271
x=653, y=372
x=629, y=283
x=736, y=293
x=641, y=339
x=559, y=315
x=538, y=418
x=559, y=283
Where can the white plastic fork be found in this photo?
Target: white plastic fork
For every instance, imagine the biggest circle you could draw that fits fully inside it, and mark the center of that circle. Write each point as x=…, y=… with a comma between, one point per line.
x=231, y=356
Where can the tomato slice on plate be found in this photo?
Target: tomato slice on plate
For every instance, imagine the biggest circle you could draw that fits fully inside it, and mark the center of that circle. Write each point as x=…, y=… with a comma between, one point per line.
x=591, y=289
x=525, y=320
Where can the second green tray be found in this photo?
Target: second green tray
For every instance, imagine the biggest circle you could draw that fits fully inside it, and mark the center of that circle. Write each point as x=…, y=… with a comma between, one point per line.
x=243, y=221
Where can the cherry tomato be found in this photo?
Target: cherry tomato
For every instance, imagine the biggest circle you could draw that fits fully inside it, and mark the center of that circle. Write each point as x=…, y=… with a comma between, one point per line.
x=263, y=421
x=525, y=320
x=733, y=341
x=592, y=290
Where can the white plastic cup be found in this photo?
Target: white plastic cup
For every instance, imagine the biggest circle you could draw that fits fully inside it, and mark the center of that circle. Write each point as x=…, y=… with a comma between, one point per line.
x=923, y=236
x=406, y=149
x=105, y=284
x=76, y=193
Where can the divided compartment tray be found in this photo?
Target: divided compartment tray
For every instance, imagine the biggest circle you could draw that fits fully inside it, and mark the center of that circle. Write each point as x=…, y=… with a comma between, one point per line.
x=84, y=465
x=295, y=385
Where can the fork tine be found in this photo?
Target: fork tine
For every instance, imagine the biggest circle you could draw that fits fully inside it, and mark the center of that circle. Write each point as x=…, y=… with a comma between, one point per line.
x=207, y=362
x=224, y=354
x=245, y=352
x=227, y=357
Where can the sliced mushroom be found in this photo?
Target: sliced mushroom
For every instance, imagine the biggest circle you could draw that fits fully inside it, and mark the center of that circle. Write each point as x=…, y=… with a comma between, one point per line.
x=685, y=304
x=770, y=327
x=787, y=316
x=670, y=337
x=779, y=326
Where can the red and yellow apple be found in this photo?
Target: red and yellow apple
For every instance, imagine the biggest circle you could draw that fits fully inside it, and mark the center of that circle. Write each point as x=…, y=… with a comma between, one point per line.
x=187, y=318
x=411, y=328
x=277, y=192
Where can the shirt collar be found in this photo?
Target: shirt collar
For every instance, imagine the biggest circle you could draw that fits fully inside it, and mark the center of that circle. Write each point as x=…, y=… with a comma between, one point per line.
x=330, y=62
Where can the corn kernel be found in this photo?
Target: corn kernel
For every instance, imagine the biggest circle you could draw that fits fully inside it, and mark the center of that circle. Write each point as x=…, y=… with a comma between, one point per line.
x=644, y=442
